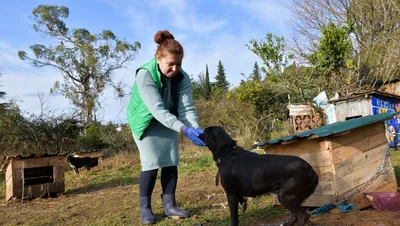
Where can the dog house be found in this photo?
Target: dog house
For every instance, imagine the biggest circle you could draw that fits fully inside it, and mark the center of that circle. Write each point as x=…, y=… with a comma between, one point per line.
x=32, y=176
x=350, y=157
x=99, y=154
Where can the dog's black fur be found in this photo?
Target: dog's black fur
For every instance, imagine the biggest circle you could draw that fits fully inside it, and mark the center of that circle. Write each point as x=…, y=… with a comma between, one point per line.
x=248, y=174
x=86, y=162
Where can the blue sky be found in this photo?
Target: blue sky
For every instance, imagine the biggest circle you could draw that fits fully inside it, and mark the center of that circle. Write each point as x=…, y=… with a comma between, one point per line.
x=209, y=30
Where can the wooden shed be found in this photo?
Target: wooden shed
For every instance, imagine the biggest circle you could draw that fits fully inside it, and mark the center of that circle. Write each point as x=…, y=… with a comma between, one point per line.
x=350, y=158
x=370, y=102
x=32, y=176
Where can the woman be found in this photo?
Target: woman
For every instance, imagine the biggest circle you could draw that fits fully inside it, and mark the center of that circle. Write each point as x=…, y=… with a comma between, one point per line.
x=160, y=107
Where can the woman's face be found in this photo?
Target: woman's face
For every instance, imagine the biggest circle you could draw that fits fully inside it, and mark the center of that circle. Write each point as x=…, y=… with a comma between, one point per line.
x=170, y=64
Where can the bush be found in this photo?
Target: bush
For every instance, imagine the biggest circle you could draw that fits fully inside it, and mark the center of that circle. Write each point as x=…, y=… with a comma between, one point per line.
x=37, y=134
x=238, y=118
x=100, y=136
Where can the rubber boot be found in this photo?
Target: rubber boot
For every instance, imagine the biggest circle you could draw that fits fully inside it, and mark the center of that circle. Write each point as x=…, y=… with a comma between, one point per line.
x=146, y=214
x=170, y=209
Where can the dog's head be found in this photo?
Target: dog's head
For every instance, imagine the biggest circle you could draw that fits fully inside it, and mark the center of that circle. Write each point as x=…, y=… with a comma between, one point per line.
x=70, y=158
x=218, y=141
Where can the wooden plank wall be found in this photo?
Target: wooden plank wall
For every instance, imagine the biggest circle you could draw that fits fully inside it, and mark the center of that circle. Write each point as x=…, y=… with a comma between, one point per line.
x=352, y=107
x=356, y=159
x=39, y=162
x=9, y=181
x=316, y=153
x=385, y=182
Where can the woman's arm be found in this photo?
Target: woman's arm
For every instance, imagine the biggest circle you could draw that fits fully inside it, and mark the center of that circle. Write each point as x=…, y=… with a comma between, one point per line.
x=152, y=99
x=186, y=110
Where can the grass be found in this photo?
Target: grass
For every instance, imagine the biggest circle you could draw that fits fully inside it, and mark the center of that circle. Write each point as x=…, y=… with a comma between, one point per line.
x=396, y=164
x=109, y=196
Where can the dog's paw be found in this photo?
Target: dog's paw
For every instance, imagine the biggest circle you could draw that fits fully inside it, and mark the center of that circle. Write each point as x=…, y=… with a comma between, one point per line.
x=243, y=205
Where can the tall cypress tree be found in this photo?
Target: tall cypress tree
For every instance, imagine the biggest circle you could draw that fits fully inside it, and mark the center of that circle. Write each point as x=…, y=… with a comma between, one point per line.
x=221, y=83
x=207, y=84
x=256, y=75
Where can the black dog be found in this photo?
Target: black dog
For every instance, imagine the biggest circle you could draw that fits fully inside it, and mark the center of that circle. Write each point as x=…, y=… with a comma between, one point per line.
x=86, y=162
x=248, y=174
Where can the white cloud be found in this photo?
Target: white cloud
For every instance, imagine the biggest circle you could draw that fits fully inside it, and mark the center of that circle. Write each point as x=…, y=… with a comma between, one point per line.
x=9, y=57
x=184, y=16
x=149, y=16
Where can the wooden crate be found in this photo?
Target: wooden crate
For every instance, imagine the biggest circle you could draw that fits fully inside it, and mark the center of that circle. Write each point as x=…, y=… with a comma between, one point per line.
x=348, y=164
x=29, y=177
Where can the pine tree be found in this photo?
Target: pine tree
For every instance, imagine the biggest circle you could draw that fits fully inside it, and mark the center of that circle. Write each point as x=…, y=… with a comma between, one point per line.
x=256, y=75
x=2, y=96
x=221, y=83
x=207, y=84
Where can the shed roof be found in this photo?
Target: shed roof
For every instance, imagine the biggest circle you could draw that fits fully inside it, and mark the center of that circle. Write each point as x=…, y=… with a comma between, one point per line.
x=332, y=129
x=4, y=160
x=362, y=94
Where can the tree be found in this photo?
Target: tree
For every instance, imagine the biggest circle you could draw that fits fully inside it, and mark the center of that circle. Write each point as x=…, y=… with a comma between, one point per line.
x=272, y=53
x=256, y=75
x=201, y=89
x=3, y=106
x=198, y=91
x=2, y=93
x=221, y=84
x=207, y=84
x=374, y=34
x=87, y=61
x=332, y=57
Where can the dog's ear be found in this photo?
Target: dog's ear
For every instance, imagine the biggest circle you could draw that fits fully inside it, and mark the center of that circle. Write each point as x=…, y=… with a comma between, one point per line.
x=217, y=140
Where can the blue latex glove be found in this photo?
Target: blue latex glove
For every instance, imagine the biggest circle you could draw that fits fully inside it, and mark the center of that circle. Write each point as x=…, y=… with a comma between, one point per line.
x=199, y=130
x=193, y=135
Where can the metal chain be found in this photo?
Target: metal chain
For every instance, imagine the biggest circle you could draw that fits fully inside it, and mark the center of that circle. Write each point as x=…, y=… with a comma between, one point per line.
x=379, y=171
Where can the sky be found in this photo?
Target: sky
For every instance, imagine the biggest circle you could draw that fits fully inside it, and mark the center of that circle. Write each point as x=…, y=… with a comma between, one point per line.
x=209, y=31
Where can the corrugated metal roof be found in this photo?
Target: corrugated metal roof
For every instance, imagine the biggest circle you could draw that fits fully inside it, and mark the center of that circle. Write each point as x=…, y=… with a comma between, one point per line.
x=334, y=128
x=362, y=94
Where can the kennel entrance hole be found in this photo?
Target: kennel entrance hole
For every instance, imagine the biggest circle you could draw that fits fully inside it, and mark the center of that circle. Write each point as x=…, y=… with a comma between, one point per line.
x=38, y=175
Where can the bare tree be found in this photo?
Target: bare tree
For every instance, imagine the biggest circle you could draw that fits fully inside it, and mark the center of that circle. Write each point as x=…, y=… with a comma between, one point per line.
x=375, y=32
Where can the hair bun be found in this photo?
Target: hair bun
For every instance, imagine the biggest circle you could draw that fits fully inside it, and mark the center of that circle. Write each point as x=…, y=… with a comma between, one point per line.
x=162, y=36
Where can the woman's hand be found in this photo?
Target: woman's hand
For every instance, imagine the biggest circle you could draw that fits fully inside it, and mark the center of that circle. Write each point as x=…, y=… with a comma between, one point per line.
x=193, y=135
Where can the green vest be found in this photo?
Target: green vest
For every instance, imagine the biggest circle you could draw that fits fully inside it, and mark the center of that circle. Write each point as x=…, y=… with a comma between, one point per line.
x=139, y=117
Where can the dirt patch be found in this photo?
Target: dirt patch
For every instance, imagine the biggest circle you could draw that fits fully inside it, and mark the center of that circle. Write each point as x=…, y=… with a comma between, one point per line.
x=368, y=217
x=110, y=197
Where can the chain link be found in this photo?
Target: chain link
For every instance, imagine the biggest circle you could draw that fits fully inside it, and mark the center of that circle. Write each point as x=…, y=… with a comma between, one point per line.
x=381, y=170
